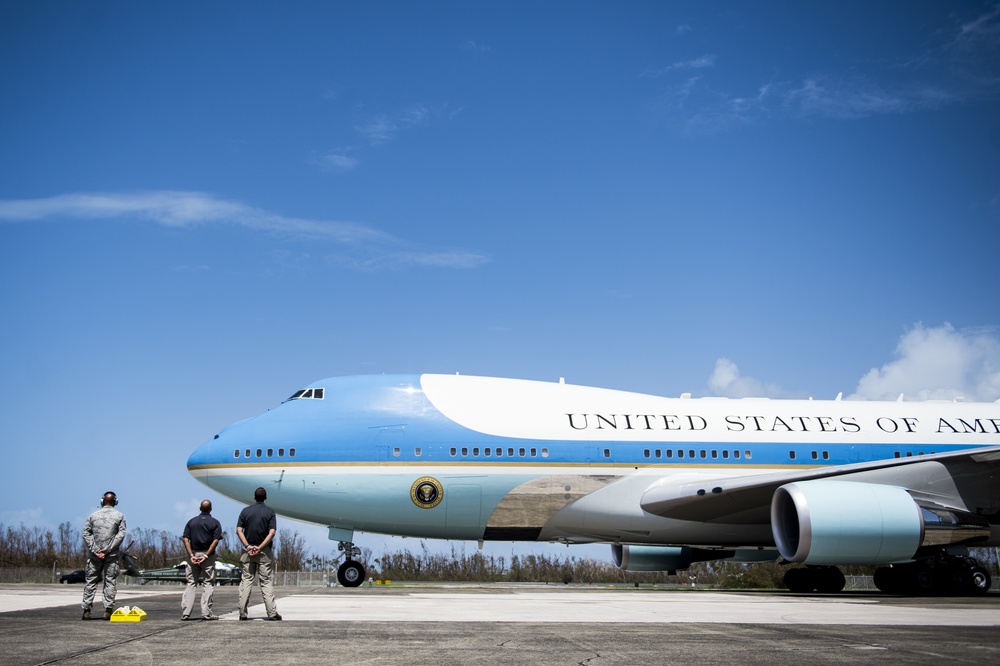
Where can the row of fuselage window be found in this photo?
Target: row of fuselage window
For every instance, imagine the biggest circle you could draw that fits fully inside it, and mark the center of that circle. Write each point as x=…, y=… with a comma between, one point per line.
x=499, y=452
x=261, y=453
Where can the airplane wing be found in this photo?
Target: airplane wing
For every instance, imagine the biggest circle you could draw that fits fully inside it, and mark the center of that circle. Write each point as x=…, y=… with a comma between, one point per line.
x=960, y=480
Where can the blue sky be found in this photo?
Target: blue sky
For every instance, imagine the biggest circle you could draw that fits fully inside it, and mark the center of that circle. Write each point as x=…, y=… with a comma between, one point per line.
x=205, y=206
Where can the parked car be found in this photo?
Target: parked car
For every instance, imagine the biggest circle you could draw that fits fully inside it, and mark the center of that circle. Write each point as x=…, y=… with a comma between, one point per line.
x=77, y=576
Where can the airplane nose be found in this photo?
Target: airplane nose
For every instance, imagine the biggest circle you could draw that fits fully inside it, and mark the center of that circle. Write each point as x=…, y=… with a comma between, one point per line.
x=202, y=455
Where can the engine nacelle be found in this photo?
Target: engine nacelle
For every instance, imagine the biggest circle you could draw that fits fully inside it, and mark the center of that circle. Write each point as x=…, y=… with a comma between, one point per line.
x=846, y=522
x=651, y=558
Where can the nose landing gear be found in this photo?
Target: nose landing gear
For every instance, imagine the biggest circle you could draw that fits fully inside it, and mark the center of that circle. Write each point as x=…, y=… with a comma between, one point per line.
x=351, y=573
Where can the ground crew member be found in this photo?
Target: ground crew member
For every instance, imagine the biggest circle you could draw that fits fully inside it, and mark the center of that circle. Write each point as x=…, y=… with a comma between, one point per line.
x=103, y=533
x=256, y=529
x=201, y=535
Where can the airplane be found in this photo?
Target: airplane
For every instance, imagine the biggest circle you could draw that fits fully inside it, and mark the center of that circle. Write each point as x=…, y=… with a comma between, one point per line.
x=908, y=486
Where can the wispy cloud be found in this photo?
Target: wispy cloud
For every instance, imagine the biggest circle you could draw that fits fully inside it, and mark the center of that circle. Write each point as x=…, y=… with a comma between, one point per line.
x=371, y=248
x=338, y=162
x=384, y=127
x=702, y=62
x=961, y=63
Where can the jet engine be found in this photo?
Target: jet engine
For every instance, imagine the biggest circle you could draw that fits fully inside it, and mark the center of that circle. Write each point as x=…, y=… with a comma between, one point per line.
x=846, y=522
x=661, y=558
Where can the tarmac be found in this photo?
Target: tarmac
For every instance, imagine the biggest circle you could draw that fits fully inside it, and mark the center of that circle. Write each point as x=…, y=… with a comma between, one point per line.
x=504, y=624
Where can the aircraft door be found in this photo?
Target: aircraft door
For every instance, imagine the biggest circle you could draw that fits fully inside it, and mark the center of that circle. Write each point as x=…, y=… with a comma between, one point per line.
x=463, y=505
x=389, y=444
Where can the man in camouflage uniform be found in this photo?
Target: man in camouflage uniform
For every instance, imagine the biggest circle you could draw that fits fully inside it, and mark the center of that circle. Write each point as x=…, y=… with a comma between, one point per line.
x=103, y=533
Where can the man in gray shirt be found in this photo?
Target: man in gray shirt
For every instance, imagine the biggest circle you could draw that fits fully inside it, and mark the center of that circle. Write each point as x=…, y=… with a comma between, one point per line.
x=103, y=532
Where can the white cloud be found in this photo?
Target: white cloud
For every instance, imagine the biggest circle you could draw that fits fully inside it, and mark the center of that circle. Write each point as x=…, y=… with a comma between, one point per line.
x=727, y=381
x=938, y=364
x=931, y=364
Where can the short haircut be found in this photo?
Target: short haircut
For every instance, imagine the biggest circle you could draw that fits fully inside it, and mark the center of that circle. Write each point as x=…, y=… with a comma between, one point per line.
x=260, y=494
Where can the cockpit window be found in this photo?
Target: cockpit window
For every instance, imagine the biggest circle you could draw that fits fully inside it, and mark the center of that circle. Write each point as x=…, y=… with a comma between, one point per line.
x=308, y=394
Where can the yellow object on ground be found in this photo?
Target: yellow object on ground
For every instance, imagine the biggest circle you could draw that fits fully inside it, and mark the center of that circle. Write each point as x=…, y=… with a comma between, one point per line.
x=126, y=614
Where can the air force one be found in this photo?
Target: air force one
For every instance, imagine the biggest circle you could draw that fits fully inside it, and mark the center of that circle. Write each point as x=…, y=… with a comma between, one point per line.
x=666, y=482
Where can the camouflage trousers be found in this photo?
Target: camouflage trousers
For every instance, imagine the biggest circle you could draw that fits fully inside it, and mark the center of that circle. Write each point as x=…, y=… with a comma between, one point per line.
x=96, y=568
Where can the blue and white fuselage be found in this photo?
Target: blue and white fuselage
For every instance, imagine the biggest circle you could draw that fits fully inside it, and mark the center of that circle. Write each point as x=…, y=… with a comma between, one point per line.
x=461, y=457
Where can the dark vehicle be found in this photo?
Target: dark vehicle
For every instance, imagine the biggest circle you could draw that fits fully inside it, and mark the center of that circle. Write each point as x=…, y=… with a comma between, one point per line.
x=77, y=576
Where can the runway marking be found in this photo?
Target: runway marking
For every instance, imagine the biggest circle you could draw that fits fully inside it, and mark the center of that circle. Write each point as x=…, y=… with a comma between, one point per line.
x=29, y=598
x=616, y=607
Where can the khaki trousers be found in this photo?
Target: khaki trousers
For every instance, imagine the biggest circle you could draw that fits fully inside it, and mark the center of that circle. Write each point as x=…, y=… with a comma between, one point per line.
x=205, y=573
x=259, y=567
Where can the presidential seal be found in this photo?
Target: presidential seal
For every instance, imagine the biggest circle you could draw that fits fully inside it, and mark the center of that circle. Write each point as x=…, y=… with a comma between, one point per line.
x=426, y=492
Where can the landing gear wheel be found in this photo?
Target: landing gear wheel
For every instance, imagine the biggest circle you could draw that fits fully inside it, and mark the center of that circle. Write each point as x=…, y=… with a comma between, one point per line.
x=351, y=574
x=830, y=580
x=980, y=580
x=798, y=580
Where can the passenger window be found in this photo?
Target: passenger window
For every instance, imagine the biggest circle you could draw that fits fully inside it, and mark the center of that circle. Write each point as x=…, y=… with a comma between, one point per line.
x=680, y=453
x=725, y=454
x=670, y=453
x=791, y=454
x=748, y=454
x=270, y=453
x=736, y=454
x=236, y=453
x=488, y=451
x=475, y=451
x=520, y=452
x=395, y=452
x=259, y=452
x=465, y=450
x=691, y=453
x=715, y=454
x=826, y=455
x=815, y=455
x=281, y=453
x=417, y=451
x=510, y=453
x=291, y=452
x=607, y=453
x=246, y=453
x=454, y=451
x=545, y=452
x=534, y=452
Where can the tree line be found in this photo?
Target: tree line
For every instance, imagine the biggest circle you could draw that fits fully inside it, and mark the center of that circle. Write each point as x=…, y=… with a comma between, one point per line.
x=35, y=547
x=64, y=549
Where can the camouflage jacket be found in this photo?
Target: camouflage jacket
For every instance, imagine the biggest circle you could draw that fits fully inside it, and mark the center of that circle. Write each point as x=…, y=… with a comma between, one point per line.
x=104, y=530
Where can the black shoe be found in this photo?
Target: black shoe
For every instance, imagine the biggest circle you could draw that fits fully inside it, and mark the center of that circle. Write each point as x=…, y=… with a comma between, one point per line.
x=108, y=612
x=274, y=617
x=86, y=614
x=244, y=617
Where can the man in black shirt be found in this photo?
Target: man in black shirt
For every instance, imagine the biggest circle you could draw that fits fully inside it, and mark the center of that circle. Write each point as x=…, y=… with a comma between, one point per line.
x=256, y=529
x=201, y=535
